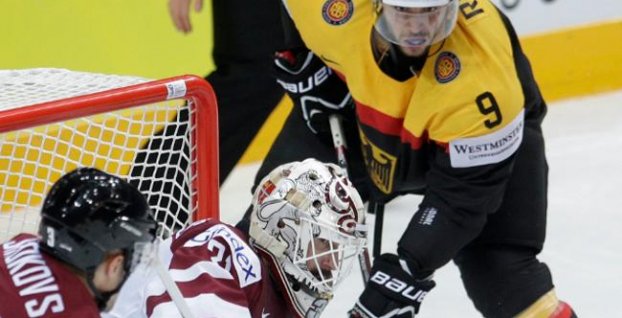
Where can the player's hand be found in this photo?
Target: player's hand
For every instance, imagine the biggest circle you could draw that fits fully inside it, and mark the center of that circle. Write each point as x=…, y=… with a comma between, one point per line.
x=392, y=291
x=179, y=10
x=313, y=87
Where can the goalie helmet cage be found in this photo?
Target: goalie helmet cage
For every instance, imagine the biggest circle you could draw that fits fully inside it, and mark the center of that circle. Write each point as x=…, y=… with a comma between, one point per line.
x=161, y=136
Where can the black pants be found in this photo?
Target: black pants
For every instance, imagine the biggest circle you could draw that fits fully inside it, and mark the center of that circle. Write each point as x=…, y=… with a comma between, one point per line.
x=246, y=35
x=246, y=97
x=499, y=268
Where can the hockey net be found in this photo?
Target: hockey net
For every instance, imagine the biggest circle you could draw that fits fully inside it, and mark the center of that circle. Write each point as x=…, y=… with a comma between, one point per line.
x=162, y=136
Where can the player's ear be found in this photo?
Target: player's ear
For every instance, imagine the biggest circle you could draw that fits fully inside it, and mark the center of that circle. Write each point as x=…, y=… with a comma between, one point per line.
x=115, y=265
x=113, y=271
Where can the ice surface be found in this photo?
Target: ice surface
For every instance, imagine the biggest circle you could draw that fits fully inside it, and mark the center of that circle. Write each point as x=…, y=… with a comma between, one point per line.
x=584, y=238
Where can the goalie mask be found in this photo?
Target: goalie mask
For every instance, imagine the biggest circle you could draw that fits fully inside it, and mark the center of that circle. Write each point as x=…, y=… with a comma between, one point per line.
x=415, y=24
x=308, y=222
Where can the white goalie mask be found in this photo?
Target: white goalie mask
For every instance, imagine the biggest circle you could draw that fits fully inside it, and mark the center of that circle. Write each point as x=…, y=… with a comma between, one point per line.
x=415, y=23
x=308, y=222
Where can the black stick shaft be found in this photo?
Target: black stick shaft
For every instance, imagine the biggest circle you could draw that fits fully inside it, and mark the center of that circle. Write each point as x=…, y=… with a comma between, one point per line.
x=378, y=209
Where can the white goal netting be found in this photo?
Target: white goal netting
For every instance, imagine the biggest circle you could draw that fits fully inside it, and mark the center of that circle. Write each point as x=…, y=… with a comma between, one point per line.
x=153, y=145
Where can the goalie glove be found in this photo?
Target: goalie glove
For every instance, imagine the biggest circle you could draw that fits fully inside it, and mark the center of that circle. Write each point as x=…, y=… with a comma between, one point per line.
x=313, y=87
x=392, y=291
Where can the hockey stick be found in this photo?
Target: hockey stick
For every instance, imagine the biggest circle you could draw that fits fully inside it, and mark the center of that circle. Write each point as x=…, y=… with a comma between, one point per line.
x=171, y=286
x=339, y=142
x=378, y=209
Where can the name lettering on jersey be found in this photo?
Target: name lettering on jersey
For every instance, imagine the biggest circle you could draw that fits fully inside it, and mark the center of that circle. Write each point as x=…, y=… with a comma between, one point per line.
x=491, y=148
x=32, y=277
x=380, y=164
x=245, y=261
x=471, y=9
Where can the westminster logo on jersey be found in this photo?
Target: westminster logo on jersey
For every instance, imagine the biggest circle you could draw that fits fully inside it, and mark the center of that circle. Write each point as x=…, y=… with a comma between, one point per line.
x=380, y=164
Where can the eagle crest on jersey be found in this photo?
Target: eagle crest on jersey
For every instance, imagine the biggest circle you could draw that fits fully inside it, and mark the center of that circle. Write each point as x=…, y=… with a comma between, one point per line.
x=380, y=164
x=297, y=207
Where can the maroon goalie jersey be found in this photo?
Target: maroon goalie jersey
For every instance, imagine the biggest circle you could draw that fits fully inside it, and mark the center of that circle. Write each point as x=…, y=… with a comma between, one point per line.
x=33, y=284
x=218, y=274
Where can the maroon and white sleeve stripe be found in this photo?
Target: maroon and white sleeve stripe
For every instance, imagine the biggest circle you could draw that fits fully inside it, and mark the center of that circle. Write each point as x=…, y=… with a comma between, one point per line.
x=214, y=268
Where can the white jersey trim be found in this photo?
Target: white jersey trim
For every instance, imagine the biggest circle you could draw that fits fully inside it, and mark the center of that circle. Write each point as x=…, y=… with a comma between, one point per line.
x=198, y=269
x=204, y=305
x=492, y=148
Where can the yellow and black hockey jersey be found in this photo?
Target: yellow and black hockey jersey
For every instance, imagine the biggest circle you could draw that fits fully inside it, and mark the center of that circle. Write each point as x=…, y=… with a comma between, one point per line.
x=469, y=99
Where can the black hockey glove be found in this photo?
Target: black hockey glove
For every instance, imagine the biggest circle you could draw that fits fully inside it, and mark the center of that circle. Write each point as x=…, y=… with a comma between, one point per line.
x=391, y=291
x=313, y=87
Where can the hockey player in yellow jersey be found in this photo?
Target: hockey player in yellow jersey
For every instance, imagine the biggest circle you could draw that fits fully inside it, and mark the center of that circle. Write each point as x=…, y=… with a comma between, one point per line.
x=438, y=99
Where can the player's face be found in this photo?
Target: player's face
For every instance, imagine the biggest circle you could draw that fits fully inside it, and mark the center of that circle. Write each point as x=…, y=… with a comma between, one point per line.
x=413, y=28
x=326, y=258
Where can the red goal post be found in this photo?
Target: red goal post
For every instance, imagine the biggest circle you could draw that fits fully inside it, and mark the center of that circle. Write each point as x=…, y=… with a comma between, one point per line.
x=161, y=135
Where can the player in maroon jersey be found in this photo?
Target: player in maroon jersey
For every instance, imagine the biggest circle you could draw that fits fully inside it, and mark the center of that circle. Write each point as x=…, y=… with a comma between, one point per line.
x=93, y=228
x=306, y=229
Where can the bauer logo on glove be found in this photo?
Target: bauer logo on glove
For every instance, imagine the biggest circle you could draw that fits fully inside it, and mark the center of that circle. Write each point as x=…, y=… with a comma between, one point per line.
x=304, y=85
x=393, y=291
x=313, y=87
x=398, y=286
